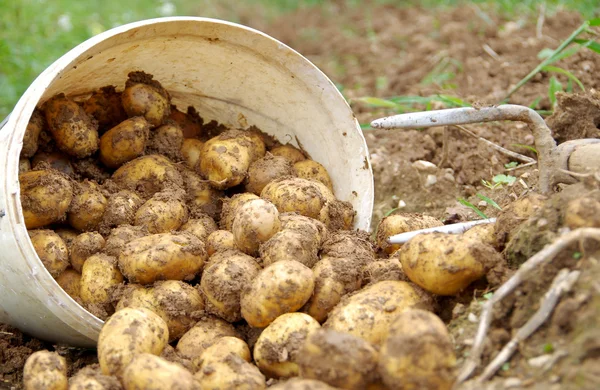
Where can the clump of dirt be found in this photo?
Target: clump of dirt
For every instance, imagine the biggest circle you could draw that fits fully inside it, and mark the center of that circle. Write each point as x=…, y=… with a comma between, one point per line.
x=576, y=116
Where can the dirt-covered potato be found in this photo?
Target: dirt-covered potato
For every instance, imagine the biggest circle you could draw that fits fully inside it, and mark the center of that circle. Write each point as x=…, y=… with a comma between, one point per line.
x=294, y=221
x=277, y=349
x=383, y=269
x=87, y=207
x=225, y=159
x=312, y=170
x=401, y=223
x=91, y=378
x=145, y=97
x=230, y=208
x=120, y=210
x=190, y=122
x=582, y=212
x=45, y=370
x=223, y=281
x=291, y=153
x=120, y=236
x=31, y=138
x=485, y=233
x=515, y=214
x=70, y=281
x=164, y=212
x=417, y=353
x=334, y=278
x=254, y=223
x=201, y=198
x=68, y=235
x=105, y=107
x=55, y=160
x=207, y=331
x=85, y=245
x=290, y=244
x=148, y=175
x=445, y=264
x=258, y=148
x=74, y=132
x=51, y=249
x=265, y=170
x=99, y=276
x=229, y=373
x=190, y=151
x=201, y=226
x=283, y=287
x=45, y=197
x=339, y=359
x=219, y=240
x=128, y=333
x=349, y=244
x=150, y=372
x=24, y=165
x=223, y=347
x=162, y=256
x=124, y=142
x=167, y=140
x=301, y=384
x=368, y=313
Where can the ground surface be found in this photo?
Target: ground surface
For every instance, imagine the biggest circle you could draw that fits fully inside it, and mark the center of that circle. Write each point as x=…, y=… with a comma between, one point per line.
x=385, y=51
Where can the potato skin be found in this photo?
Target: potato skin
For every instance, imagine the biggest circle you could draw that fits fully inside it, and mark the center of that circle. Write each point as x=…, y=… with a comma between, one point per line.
x=120, y=210
x=45, y=370
x=87, y=207
x=201, y=226
x=148, y=175
x=432, y=367
x=150, y=372
x=222, y=348
x=127, y=333
x=312, y=170
x=294, y=221
x=145, y=97
x=283, y=287
x=73, y=130
x=219, y=240
x=265, y=170
x=338, y=359
x=201, y=198
x=191, y=148
x=35, y=126
x=291, y=153
x=368, y=313
x=162, y=213
x=383, y=269
x=167, y=141
x=51, y=249
x=85, y=245
x=230, y=373
x=401, y=223
x=162, y=256
x=45, y=197
x=124, y=142
x=120, y=236
x=99, y=275
x=70, y=281
x=301, y=384
x=91, y=378
x=190, y=122
x=105, y=107
x=207, y=331
x=254, y=223
x=277, y=349
x=230, y=208
x=290, y=244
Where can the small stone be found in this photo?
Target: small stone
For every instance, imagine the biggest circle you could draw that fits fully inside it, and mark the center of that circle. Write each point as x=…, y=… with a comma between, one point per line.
x=472, y=318
x=431, y=180
x=511, y=383
x=422, y=165
x=401, y=204
x=482, y=204
x=540, y=361
x=458, y=310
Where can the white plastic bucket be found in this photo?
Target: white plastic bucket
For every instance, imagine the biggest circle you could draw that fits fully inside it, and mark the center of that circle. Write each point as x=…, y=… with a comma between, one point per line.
x=230, y=73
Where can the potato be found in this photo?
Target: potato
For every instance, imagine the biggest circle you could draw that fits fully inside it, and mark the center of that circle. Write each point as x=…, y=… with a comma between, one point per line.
x=258, y=149
x=91, y=378
x=120, y=210
x=383, y=269
x=445, y=264
x=485, y=233
x=45, y=197
x=74, y=132
x=368, y=313
x=148, y=175
x=312, y=170
x=70, y=281
x=190, y=123
x=291, y=153
x=85, y=245
x=120, y=236
x=51, y=250
x=290, y=244
x=207, y=331
x=201, y=197
x=265, y=170
x=223, y=281
x=277, y=349
x=349, y=244
x=190, y=151
x=225, y=159
x=124, y=142
x=45, y=370
x=339, y=359
x=99, y=275
x=88, y=206
x=254, y=223
x=334, y=278
x=294, y=221
x=104, y=105
x=162, y=256
x=201, y=226
x=231, y=373
x=222, y=348
x=417, y=353
x=167, y=140
x=150, y=372
x=582, y=212
x=301, y=384
x=282, y=287
x=24, y=165
x=54, y=160
x=145, y=97
x=164, y=212
x=68, y=235
x=128, y=333
x=219, y=240
x=401, y=223
x=515, y=214
x=230, y=208
x=36, y=124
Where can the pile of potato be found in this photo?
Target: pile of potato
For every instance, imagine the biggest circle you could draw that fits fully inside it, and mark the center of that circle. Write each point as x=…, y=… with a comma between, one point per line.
x=221, y=259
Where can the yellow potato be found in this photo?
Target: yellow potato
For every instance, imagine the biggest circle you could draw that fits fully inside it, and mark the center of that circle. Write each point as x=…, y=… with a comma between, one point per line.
x=164, y=212
x=401, y=223
x=301, y=384
x=515, y=214
x=231, y=373
x=265, y=170
x=290, y=244
x=105, y=107
x=120, y=210
x=91, y=378
x=99, y=276
x=219, y=240
x=223, y=281
x=191, y=148
x=190, y=123
x=68, y=235
x=201, y=197
x=292, y=154
x=45, y=370
x=150, y=372
x=383, y=269
x=230, y=208
x=70, y=281
x=85, y=245
x=207, y=331
x=162, y=256
x=485, y=233
x=277, y=349
x=201, y=226
x=418, y=353
x=88, y=206
x=128, y=333
x=312, y=170
x=295, y=221
x=148, y=175
x=120, y=236
x=282, y=287
x=72, y=129
x=258, y=149
x=51, y=249
x=368, y=313
x=167, y=140
x=254, y=223
x=349, y=244
x=45, y=197
x=145, y=97
x=36, y=124
x=124, y=142
x=222, y=348
x=338, y=359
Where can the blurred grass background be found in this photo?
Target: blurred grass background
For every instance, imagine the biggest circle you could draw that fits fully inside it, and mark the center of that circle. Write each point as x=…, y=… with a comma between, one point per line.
x=34, y=33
